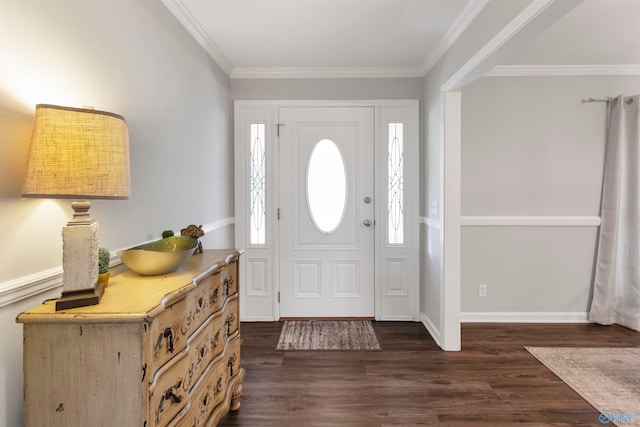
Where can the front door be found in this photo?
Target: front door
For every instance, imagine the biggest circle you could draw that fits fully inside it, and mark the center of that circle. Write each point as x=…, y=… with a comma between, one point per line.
x=326, y=212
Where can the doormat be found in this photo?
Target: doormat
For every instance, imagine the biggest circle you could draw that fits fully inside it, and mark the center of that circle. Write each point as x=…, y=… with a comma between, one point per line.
x=606, y=377
x=328, y=335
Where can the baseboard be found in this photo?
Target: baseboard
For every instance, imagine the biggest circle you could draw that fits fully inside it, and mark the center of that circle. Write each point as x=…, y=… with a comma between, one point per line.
x=431, y=328
x=397, y=319
x=524, y=317
x=257, y=319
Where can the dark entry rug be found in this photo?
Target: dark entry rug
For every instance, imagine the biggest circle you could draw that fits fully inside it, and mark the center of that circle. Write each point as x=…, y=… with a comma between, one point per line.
x=327, y=335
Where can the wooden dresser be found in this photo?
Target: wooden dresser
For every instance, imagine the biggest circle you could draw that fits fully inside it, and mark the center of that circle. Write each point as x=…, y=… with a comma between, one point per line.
x=157, y=351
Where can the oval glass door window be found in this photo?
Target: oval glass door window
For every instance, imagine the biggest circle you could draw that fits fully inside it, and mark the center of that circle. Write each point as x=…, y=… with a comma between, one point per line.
x=326, y=186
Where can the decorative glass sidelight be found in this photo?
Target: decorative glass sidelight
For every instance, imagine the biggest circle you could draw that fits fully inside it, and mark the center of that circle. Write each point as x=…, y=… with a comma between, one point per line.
x=326, y=186
x=257, y=181
x=396, y=185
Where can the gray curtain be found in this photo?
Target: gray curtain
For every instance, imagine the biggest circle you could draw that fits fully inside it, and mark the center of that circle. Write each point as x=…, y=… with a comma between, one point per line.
x=616, y=293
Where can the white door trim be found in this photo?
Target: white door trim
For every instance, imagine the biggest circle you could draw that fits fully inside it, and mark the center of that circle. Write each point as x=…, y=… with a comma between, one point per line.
x=394, y=300
x=534, y=19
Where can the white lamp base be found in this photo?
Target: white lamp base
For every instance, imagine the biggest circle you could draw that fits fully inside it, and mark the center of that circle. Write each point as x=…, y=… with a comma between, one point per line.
x=80, y=260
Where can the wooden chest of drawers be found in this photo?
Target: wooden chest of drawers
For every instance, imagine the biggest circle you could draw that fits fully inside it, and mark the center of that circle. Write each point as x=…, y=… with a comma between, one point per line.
x=156, y=351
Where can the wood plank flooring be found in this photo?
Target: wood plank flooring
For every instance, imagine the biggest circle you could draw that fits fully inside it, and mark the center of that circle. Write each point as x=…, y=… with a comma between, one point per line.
x=493, y=381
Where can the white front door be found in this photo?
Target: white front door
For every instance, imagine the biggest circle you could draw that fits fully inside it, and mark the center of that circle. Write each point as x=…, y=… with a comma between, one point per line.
x=326, y=211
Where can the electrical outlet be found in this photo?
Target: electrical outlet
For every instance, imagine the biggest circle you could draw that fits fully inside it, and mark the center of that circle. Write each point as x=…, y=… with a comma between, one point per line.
x=482, y=290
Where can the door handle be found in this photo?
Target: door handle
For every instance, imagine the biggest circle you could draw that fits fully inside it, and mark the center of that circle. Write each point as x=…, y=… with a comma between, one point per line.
x=367, y=223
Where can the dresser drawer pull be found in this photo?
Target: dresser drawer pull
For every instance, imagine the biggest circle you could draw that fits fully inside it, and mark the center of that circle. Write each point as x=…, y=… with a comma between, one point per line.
x=168, y=334
x=230, y=364
x=205, y=403
x=227, y=284
x=169, y=396
x=229, y=322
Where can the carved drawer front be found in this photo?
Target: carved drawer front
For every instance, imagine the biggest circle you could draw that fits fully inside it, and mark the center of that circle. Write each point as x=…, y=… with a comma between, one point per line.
x=214, y=290
x=232, y=358
x=204, y=345
x=166, y=394
x=230, y=279
x=165, y=336
x=230, y=316
x=209, y=340
x=198, y=310
x=212, y=389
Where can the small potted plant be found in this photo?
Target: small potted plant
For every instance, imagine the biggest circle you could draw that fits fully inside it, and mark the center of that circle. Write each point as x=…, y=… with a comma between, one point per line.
x=104, y=258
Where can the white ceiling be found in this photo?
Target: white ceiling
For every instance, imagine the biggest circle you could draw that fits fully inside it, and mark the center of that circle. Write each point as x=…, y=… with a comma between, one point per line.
x=362, y=35
x=596, y=32
x=280, y=38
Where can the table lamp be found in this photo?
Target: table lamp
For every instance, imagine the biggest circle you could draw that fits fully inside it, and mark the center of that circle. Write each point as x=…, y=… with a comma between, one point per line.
x=78, y=153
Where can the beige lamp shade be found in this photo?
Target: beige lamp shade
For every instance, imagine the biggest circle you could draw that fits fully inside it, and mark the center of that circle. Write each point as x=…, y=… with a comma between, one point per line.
x=78, y=153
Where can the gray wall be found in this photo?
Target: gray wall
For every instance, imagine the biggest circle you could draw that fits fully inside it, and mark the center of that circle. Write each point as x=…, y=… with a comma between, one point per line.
x=530, y=148
x=491, y=19
x=132, y=58
x=326, y=89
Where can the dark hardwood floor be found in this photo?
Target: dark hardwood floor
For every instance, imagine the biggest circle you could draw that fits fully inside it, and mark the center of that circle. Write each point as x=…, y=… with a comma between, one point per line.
x=493, y=381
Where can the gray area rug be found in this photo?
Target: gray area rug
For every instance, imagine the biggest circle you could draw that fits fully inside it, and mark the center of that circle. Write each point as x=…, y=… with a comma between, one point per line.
x=608, y=378
x=328, y=335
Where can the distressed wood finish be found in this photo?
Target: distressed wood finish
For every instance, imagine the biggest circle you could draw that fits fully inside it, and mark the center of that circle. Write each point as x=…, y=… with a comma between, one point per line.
x=157, y=351
x=493, y=381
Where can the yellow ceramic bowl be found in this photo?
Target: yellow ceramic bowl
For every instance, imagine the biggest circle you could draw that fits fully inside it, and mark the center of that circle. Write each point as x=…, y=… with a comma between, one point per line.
x=159, y=257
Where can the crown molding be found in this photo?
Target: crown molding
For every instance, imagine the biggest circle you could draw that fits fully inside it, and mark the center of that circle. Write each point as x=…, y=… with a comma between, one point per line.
x=326, y=73
x=564, y=70
x=466, y=17
x=533, y=19
x=186, y=19
x=468, y=14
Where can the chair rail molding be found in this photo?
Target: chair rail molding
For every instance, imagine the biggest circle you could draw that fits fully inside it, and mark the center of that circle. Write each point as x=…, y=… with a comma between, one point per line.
x=27, y=286
x=529, y=221
x=33, y=284
x=430, y=222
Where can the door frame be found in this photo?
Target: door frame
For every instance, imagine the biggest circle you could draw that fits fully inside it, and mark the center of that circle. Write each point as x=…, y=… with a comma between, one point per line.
x=396, y=271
